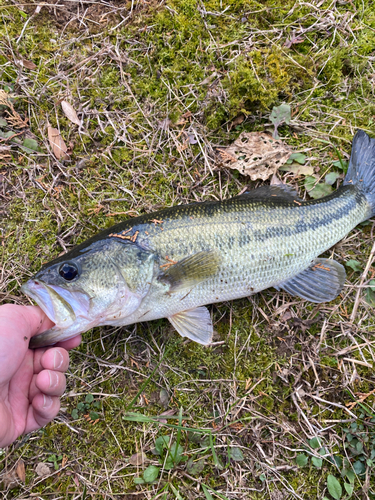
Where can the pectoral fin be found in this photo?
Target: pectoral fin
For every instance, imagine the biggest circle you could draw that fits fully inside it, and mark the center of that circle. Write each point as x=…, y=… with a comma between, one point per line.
x=195, y=324
x=190, y=271
x=322, y=281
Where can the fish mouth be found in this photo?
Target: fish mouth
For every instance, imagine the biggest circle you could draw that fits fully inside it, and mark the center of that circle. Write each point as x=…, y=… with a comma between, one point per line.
x=62, y=306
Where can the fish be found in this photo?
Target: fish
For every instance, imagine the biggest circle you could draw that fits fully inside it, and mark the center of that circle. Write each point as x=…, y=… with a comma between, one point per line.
x=173, y=262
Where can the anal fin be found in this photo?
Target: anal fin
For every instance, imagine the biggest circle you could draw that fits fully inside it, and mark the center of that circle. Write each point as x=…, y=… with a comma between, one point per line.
x=195, y=324
x=322, y=281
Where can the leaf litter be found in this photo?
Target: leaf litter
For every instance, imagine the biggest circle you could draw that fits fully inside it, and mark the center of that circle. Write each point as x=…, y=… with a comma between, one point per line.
x=70, y=113
x=255, y=154
x=57, y=143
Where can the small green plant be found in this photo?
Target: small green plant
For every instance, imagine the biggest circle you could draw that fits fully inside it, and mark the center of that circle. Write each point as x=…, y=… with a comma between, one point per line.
x=333, y=484
x=89, y=406
x=279, y=115
x=55, y=459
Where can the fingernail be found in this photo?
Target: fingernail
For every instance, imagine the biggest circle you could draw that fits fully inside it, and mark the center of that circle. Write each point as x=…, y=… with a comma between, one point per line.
x=53, y=379
x=47, y=401
x=58, y=359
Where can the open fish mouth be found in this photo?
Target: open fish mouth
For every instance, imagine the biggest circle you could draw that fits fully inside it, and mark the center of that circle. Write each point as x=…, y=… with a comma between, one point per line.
x=62, y=306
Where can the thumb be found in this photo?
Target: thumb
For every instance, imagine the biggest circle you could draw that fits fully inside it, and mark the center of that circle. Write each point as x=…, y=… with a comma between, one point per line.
x=17, y=325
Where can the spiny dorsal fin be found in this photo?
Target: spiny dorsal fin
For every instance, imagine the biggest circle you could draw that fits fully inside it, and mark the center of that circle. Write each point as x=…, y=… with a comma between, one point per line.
x=277, y=192
x=195, y=324
x=322, y=281
x=191, y=271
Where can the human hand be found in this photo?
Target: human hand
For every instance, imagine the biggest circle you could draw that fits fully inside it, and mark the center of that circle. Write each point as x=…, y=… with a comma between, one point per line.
x=31, y=381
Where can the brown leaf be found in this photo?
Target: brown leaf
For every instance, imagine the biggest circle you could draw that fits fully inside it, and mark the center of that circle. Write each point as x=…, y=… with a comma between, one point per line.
x=9, y=480
x=57, y=143
x=28, y=64
x=42, y=469
x=70, y=113
x=255, y=154
x=20, y=470
x=137, y=458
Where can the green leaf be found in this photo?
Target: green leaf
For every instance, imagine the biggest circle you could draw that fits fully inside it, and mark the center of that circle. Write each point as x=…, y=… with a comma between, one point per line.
x=370, y=297
x=334, y=487
x=138, y=480
x=3, y=123
x=343, y=164
x=349, y=488
x=320, y=190
x=94, y=415
x=359, y=446
x=236, y=454
x=23, y=14
x=309, y=182
x=89, y=398
x=350, y=475
x=195, y=467
x=176, y=492
x=331, y=178
x=298, y=157
x=315, y=443
x=301, y=460
x=80, y=406
x=174, y=456
x=207, y=493
x=280, y=114
x=317, y=462
x=151, y=473
x=355, y=265
x=74, y=414
x=359, y=467
x=161, y=443
x=372, y=285
x=30, y=144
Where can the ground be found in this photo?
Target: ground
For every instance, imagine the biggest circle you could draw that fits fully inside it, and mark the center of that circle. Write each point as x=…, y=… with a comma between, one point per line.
x=281, y=405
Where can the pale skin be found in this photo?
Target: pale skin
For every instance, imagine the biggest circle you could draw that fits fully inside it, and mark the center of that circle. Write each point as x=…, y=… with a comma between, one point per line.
x=31, y=381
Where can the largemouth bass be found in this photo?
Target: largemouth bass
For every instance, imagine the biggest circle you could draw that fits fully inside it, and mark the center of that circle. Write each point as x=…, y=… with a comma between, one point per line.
x=171, y=263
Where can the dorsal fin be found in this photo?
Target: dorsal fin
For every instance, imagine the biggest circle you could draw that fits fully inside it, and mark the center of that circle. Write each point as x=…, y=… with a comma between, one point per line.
x=277, y=192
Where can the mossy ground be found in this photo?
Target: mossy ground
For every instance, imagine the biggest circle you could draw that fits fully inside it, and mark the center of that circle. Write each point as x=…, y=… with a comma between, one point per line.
x=143, y=76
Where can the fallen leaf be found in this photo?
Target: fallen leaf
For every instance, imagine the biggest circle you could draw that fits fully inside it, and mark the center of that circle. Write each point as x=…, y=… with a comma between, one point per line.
x=137, y=458
x=293, y=40
x=28, y=64
x=57, y=143
x=42, y=469
x=237, y=121
x=20, y=470
x=298, y=169
x=9, y=480
x=70, y=113
x=255, y=154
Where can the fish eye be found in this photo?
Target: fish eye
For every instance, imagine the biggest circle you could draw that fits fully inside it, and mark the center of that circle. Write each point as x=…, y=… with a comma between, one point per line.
x=68, y=271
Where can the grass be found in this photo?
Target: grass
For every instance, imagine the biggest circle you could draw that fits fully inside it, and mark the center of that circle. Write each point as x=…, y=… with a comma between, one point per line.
x=282, y=400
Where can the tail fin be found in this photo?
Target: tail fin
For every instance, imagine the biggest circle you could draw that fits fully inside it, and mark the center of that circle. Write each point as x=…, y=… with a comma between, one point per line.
x=361, y=171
